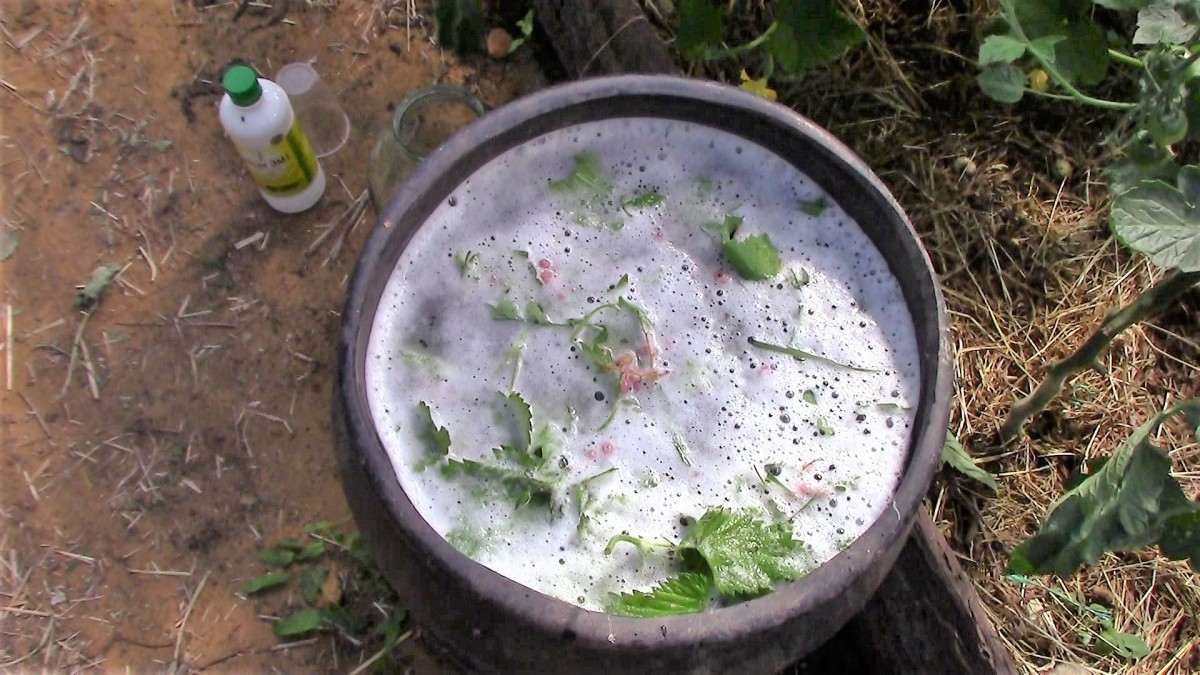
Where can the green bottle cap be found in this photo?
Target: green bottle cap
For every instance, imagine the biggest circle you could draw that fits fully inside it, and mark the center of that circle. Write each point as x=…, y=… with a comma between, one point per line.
x=241, y=83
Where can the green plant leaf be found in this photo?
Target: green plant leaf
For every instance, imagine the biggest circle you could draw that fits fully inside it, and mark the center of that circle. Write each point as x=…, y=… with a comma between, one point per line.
x=587, y=175
x=811, y=33
x=754, y=258
x=89, y=296
x=725, y=229
x=1128, y=503
x=265, y=582
x=505, y=310
x=459, y=25
x=311, y=551
x=437, y=439
x=1081, y=55
x=536, y=315
x=1126, y=645
x=954, y=454
x=522, y=417
x=1162, y=23
x=519, y=487
x=801, y=354
x=1122, y=5
x=278, y=556
x=744, y=555
x=687, y=593
x=1143, y=160
x=813, y=207
x=1000, y=49
x=311, y=581
x=642, y=200
x=1155, y=219
x=700, y=28
x=1002, y=82
x=299, y=622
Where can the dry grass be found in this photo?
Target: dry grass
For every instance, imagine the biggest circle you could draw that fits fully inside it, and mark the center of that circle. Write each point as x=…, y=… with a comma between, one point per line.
x=1010, y=203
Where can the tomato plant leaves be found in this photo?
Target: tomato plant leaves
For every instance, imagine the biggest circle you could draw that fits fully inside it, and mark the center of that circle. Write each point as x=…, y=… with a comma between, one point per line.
x=1162, y=23
x=700, y=28
x=954, y=454
x=811, y=33
x=687, y=593
x=1130, y=502
x=1000, y=49
x=1003, y=82
x=1159, y=221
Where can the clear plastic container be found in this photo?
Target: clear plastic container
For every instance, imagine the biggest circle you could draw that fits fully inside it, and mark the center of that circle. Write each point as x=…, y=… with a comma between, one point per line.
x=422, y=122
x=322, y=117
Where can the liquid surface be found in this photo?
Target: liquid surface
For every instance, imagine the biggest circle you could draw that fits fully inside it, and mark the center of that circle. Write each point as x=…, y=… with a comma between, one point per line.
x=693, y=415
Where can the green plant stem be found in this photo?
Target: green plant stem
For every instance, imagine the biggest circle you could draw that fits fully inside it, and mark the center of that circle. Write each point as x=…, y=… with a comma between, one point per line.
x=1122, y=57
x=1151, y=302
x=726, y=52
x=1046, y=94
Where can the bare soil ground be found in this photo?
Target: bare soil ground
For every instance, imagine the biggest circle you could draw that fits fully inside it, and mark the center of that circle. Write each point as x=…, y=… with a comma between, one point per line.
x=150, y=448
x=153, y=445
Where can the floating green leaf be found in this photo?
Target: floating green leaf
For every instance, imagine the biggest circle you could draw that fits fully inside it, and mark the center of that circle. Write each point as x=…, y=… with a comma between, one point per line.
x=587, y=175
x=813, y=207
x=754, y=258
x=505, y=310
x=687, y=593
x=436, y=439
x=811, y=33
x=1003, y=82
x=520, y=488
x=1130, y=502
x=1160, y=221
x=954, y=454
x=265, y=582
x=744, y=554
x=299, y=622
x=642, y=200
x=467, y=264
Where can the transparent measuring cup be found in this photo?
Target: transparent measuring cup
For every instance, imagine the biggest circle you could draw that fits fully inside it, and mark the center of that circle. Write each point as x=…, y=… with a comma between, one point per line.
x=421, y=122
x=321, y=116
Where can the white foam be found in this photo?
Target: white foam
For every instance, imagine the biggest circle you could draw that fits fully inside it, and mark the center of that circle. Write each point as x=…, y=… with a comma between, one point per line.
x=737, y=407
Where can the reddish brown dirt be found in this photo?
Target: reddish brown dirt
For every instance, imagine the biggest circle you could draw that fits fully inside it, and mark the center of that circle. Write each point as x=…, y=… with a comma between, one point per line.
x=156, y=472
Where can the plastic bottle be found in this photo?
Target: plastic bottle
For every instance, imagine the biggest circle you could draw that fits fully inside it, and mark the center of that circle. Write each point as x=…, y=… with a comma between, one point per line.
x=258, y=118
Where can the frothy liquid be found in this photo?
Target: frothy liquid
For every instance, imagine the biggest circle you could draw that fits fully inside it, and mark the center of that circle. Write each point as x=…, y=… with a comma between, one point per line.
x=705, y=419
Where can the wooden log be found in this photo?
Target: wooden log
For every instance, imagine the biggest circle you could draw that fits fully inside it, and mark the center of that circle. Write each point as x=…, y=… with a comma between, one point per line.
x=926, y=616
x=602, y=37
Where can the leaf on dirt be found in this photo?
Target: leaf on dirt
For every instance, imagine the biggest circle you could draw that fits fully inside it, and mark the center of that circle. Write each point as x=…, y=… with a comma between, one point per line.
x=759, y=88
x=744, y=554
x=687, y=593
x=459, y=25
x=1130, y=502
x=299, y=622
x=265, y=582
x=1002, y=82
x=311, y=580
x=1000, y=49
x=8, y=244
x=311, y=551
x=278, y=556
x=954, y=454
x=1159, y=221
x=1162, y=23
x=89, y=296
x=700, y=28
x=811, y=33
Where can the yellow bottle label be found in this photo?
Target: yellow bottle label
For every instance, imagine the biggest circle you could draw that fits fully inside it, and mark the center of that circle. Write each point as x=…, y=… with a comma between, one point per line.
x=286, y=166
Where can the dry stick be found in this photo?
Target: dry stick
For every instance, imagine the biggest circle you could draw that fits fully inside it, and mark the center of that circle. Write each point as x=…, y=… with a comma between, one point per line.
x=183, y=622
x=1156, y=299
x=8, y=348
x=74, y=353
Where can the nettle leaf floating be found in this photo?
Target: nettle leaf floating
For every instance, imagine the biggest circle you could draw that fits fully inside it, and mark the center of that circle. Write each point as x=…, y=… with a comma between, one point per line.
x=1162, y=221
x=754, y=257
x=687, y=593
x=1129, y=502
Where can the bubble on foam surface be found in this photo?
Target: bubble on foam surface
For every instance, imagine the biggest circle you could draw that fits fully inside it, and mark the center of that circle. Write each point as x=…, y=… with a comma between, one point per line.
x=734, y=407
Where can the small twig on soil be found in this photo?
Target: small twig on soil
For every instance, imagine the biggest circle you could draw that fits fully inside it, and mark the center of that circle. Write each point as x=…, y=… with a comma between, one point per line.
x=8, y=347
x=1153, y=301
x=160, y=573
x=36, y=415
x=74, y=353
x=183, y=622
x=90, y=368
x=381, y=653
x=351, y=212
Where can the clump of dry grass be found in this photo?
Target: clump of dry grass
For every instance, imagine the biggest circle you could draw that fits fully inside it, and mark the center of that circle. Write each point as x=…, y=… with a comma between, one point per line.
x=1011, y=205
